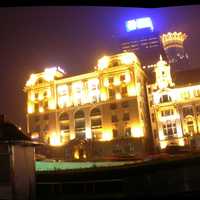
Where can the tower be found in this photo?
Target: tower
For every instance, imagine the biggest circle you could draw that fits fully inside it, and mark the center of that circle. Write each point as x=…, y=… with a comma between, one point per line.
x=163, y=74
x=174, y=47
x=141, y=38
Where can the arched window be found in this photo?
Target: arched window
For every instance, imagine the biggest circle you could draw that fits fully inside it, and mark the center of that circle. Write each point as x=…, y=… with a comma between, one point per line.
x=165, y=98
x=79, y=114
x=64, y=116
x=40, y=81
x=80, y=124
x=95, y=112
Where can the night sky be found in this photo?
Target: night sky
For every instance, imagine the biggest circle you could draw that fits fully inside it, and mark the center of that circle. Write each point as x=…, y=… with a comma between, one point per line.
x=33, y=38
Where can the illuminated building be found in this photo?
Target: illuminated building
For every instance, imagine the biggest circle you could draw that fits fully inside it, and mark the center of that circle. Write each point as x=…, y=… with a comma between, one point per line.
x=105, y=110
x=174, y=108
x=174, y=47
x=144, y=41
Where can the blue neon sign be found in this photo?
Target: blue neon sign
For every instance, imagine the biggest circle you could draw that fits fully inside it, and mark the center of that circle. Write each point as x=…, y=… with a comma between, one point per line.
x=139, y=23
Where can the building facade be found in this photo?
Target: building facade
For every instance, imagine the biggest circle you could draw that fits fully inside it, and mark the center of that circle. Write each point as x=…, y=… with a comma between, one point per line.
x=101, y=113
x=174, y=109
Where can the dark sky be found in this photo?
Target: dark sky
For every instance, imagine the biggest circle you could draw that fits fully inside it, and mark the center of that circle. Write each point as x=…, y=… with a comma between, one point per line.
x=33, y=38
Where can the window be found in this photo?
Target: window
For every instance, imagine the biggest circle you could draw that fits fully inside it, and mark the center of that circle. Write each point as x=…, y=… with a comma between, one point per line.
x=36, y=107
x=122, y=77
x=169, y=128
x=187, y=111
x=110, y=79
x=96, y=123
x=95, y=112
x=64, y=127
x=64, y=116
x=198, y=109
x=125, y=104
x=36, y=95
x=128, y=132
x=79, y=114
x=45, y=94
x=124, y=91
x=45, y=105
x=190, y=126
x=165, y=98
x=114, y=118
x=113, y=106
x=126, y=117
x=167, y=112
x=80, y=124
x=111, y=93
x=115, y=133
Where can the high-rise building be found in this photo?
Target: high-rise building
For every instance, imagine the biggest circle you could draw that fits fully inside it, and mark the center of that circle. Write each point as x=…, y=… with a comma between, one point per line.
x=97, y=114
x=144, y=41
x=174, y=47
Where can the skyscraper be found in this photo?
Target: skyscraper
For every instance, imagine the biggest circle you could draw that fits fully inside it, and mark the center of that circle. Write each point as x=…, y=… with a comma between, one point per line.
x=144, y=41
x=173, y=45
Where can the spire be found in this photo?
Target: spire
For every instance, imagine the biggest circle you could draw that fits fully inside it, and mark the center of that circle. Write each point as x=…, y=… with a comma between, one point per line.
x=161, y=58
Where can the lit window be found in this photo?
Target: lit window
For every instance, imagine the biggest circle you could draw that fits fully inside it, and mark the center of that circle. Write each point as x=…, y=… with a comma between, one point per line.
x=111, y=93
x=169, y=128
x=124, y=91
x=165, y=98
x=190, y=126
x=64, y=116
x=36, y=107
x=187, y=111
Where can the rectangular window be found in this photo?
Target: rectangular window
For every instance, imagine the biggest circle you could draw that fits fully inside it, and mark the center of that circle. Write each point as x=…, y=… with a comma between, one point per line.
x=114, y=118
x=187, y=111
x=128, y=132
x=169, y=128
x=124, y=91
x=110, y=79
x=126, y=117
x=113, y=106
x=111, y=93
x=122, y=77
x=115, y=133
x=125, y=104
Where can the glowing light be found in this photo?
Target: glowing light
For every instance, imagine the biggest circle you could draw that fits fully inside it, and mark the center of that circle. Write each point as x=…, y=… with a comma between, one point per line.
x=137, y=131
x=52, y=104
x=103, y=62
x=62, y=101
x=41, y=109
x=55, y=139
x=106, y=83
x=30, y=109
x=145, y=22
x=88, y=133
x=116, y=81
x=31, y=80
x=131, y=25
x=62, y=89
x=163, y=144
x=32, y=97
x=128, y=58
x=181, y=142
x=107, y=136
x=40, y=97
x=161, y=135
x=76, y=154
x=139, y=23
x=127, y=77
x=132, y=91
x=84, y=156
x=34, y=136
x=118, y=96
